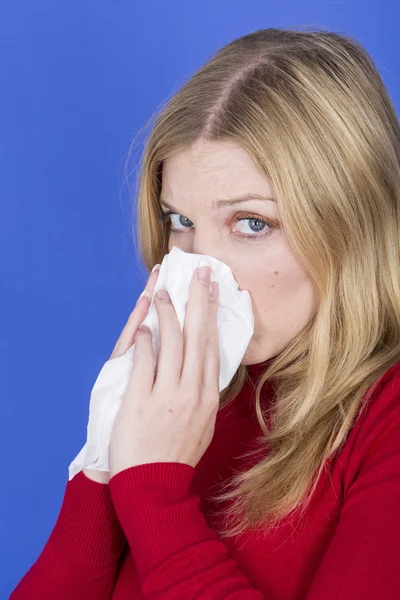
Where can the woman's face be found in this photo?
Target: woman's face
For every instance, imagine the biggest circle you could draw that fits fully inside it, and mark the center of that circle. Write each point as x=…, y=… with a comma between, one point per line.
x=283, y=296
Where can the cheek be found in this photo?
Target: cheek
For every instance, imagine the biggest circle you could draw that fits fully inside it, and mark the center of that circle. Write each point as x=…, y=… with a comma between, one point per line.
x=262, y=288
x=283, y=303
x=266, y=295
x=182, y=243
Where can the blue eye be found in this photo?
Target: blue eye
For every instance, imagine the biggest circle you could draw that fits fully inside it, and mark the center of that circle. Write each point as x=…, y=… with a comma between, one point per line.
x=258, y=232
x=165, y=217
x=180, y=220
x=251, y=222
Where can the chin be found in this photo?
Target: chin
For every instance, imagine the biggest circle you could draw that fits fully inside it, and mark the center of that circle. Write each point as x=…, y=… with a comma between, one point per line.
x=259, y=351
x=252, y=357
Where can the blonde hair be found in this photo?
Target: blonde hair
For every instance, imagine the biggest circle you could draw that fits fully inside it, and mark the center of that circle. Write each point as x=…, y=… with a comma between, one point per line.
x=312, y=111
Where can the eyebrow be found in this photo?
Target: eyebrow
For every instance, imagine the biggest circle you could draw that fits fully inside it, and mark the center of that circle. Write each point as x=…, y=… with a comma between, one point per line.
x=221, y=203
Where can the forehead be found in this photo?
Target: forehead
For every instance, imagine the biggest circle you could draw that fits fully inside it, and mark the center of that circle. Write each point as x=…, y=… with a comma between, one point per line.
x=210, y=171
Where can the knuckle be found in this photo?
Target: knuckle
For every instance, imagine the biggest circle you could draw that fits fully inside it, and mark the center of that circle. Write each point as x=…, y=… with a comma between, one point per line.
x=142, y=333
x=175, y=346
x=177, y=340
x=197, y=334
x=210, y=397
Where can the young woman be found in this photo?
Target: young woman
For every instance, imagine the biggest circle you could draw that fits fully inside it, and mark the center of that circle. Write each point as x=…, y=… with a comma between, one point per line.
x=280, y=157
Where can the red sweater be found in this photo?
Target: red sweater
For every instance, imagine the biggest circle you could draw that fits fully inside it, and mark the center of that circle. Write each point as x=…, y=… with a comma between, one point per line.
x=149, y=534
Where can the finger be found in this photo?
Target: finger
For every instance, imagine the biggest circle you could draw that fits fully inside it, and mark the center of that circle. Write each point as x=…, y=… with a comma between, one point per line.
x=141, y=377
x=170, y=354
x=147, y=293
x=137, y=316
x=195, y=331
x=212, y=358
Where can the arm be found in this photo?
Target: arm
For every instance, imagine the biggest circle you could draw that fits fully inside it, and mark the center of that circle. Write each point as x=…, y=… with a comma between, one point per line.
x=174, y=549
x=80, y=558
x=176, y=552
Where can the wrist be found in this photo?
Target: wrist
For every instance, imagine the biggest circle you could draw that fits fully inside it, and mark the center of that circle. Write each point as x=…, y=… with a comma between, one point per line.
x=99, y=476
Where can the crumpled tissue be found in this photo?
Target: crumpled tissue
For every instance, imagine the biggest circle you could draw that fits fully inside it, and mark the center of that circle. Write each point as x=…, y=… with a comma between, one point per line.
x=235, y=322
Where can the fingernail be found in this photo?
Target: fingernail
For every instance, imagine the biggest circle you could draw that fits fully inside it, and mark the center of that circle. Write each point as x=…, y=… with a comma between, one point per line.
x=163, y=295
x=155, y=268
x=204, y=275
x=146, y=294
x=213, y=289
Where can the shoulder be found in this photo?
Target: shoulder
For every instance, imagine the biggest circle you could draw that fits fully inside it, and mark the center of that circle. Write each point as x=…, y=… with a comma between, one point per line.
x=363, y=555
x=384, y=401
x=374, y=440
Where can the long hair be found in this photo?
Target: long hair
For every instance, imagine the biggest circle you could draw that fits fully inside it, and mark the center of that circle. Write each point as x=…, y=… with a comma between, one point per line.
x=312, y=111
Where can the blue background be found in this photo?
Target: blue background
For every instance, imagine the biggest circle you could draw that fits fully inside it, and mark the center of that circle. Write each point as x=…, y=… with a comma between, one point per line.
x=78, y=81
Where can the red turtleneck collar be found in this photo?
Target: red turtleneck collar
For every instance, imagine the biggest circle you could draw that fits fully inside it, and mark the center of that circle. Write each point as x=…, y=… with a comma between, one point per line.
x=256, y=369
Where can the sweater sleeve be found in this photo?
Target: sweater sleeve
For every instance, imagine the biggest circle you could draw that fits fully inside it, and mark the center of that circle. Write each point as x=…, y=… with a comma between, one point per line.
x=179, y=556
x=175, y=551
x=80, y=558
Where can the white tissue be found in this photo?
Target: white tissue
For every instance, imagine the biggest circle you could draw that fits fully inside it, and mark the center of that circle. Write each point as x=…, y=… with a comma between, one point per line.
x=235, y=322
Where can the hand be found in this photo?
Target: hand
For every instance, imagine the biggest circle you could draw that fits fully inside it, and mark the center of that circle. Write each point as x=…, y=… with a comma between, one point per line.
x=170, y=416
x=124, y=342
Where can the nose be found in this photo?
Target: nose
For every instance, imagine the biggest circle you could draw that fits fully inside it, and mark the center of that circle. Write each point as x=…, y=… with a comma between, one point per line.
x=204, y=246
